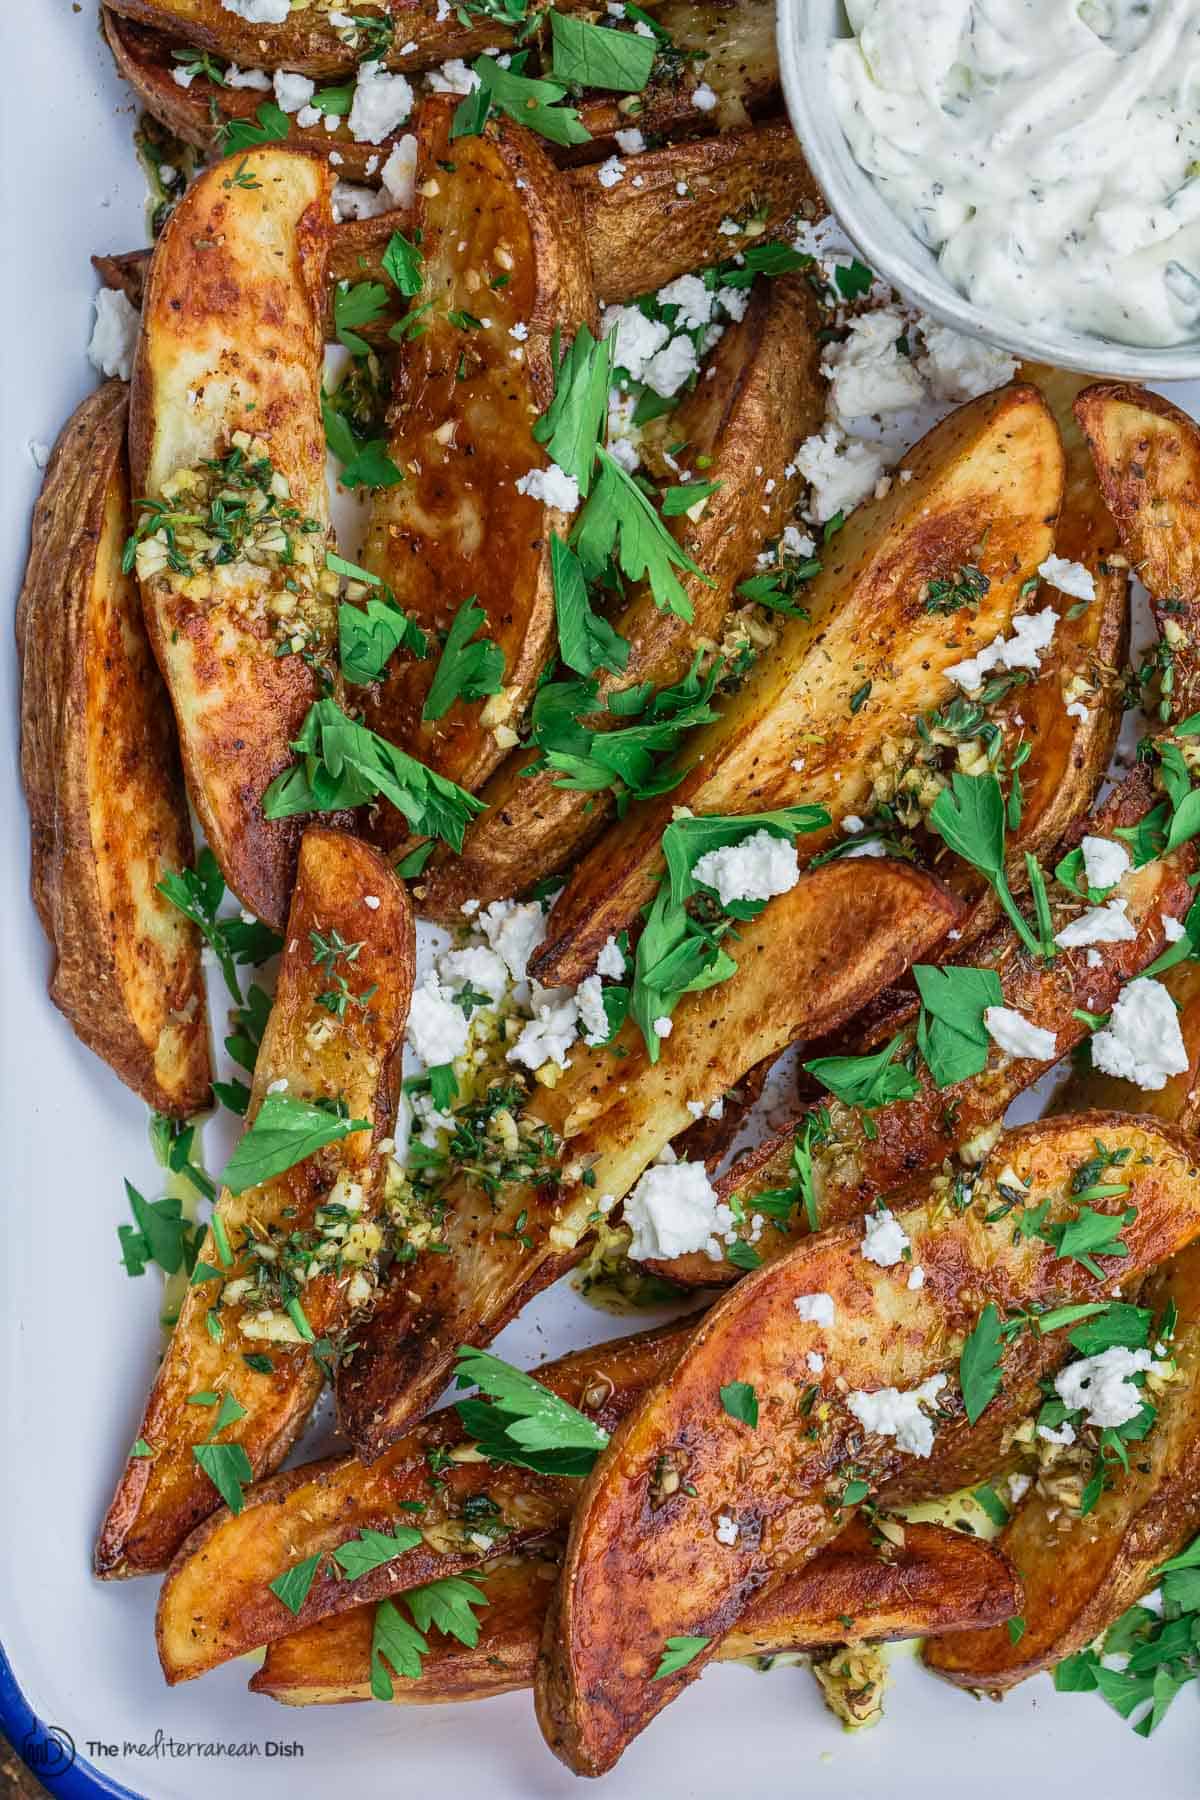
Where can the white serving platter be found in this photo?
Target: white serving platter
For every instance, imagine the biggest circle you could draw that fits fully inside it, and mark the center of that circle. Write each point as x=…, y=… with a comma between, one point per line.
x=78, y=1340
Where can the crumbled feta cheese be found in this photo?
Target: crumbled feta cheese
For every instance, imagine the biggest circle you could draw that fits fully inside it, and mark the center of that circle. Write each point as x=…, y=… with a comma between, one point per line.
x=758, y=868
x=552, y=486
x=293, y=91
x=39, y=453
x=797, y=543
x=114, y=336
x=884, y=1238
x=589, y=998
x=916, y=1278
x=630, y=142
x=514, y=931
x=727, y=1529
x=475, y=967
x=694, y=300
x=437, y=1029
x=278, y=1087
x=611, y=960
x=871, y=846
x=248, y=78
x=867, y=374
x=1031, y=634
x=674, y=1210
x=670, y=367
x=1173, y=929
x=259, y=12
x=703, y=97
x=663, y=1027
x=1102, y=1383
x=1077, y=709
x=1068, y=577
x=840, y=472
x=454, y=77
x=520, y=331
x=1017, y=1035
x=695, y=1107
x=308, y=116
x=897, y=1413
x=958, y=367
x=183, y=77
x=1142, y=1041
x=1104, y=862
x=550, y=1032
x=853, y=824
x=381, y=103
x=611, y=172
x=814, y=1361
x=636, y=338
x=351, y=202
x=1061, y=1434
x=1018, y=1487
x=816, y=1309
x=1098, y=925
x=399, y=172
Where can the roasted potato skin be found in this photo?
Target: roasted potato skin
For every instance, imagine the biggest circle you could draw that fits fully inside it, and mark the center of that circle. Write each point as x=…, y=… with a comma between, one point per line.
x=614, y=1114
x=637, y=1572
x=1080, y=1574
x=909, y=1135
x=463, y=408
x=160, y=1499
x=232, y=341
x=1147, y=456
x=107, y=812
x=216, y=1602
x=985, y=484
x=766, y=396
x=935, y=1581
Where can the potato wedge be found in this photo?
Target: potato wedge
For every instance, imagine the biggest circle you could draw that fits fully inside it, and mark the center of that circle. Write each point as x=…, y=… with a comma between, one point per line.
x=1147, y=455
x=766, y=396
x=937, y=1580
x=814, y=952
x=107, y=813
x=985, y=485
x=308, y=41
x=231, y=348
x=465, y=400
x=216, y=1602
x=317, y=1057
x=1080, y=1574
x=852, y=1167
x=637, y=1572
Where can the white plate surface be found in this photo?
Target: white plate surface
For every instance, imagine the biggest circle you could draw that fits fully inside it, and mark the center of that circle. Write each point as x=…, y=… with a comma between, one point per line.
x=78, y=1340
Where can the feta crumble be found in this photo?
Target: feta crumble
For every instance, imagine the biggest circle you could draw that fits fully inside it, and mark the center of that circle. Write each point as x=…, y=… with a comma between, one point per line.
x=1102, y=1383
x=897, y=1413
x=550, y=1032
x=1031, y=634
x=399, y=172
x=815, y=1309
x=514, y=930
x=814, y=1362
x=552, y=486
x=1104, y=862
x=1174, y=929
x=1018, y=1036
x=703, y=97
x=960, y=368
x=727, y=1529
x=437, y=1029
x=114, y=336
x=381, y=103
x=1142, y=1041
x=611, y=960
x=840, y=472
x=1068, y=577
x=758, y=868
x=884, y=1238
x=293, y=91
x=867, y=374
x=611, y=172
x=589, y=998
x=259, y=12
x=1098, y=925
x=674, y=1210
x=630, y=142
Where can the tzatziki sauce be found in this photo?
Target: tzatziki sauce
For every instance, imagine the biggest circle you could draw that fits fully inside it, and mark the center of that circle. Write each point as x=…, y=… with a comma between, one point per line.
x=1048, y=152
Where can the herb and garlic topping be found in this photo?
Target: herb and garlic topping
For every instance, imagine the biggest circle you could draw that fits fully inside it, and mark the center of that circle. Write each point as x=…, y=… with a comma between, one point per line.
x=1047, y=151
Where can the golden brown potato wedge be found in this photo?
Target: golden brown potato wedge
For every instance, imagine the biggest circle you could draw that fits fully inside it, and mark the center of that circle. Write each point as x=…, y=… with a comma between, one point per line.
x=1080, y=1573
x=864, y=1158
x=309, y=42
x=637, y=1572
x=937, y=1580
x=107, y=812
x=316, y=1056
x=984, y=487
x=216, y=1602
x=814, y=952
x=766, y=396
x=465, y=401
x=228, y=373
x=1147, y=455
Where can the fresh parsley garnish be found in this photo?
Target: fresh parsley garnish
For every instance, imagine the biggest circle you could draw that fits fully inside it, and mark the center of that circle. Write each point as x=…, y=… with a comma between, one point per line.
x=160, y=1234
x=740, y=1401
x=285, y=1131
x=969, y=817
x=951, y=1034
x=868, y=1081
x=198, y=893
x=677, y=1653
x=525, y=1424
x=354, y=305
x=592, y=56
x=470, y=668
x=979, y=1363
x=586, y=640
x=619, y=523
x=240, y=134
x=534, y=104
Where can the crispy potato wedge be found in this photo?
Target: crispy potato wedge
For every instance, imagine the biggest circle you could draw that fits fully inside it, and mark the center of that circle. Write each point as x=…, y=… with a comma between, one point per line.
x=107, y=813
x=765, y=398
x=216, y=1602
x=1147, y=455
x=852, y=1167
x=637, y=1572
x=985, y=485
x=308, y=42
x=317, y=1056
x=937, y=1580
x=231, y=343
x=1080, y=1574
x=461, y=428
x=816, y=951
